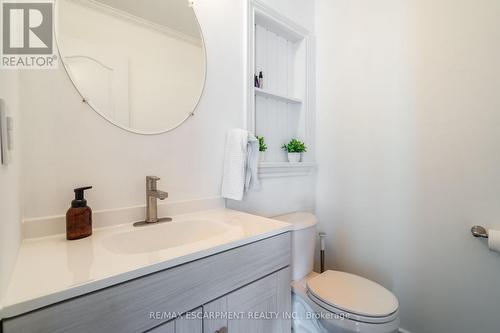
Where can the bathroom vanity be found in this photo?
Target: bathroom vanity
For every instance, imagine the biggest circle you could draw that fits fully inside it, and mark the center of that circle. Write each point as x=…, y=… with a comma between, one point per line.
x=232, y=276
x=209, y=270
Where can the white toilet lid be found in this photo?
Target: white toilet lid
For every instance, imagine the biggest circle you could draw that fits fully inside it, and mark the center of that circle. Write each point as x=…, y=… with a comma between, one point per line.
x=353, y=294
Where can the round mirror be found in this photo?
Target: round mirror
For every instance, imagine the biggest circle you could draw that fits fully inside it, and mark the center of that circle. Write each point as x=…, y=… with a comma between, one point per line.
x=139, y=64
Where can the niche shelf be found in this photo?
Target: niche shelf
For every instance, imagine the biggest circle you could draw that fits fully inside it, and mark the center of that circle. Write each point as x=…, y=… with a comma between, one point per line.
x=281, y=110
x=279, y=97
x=284, y=169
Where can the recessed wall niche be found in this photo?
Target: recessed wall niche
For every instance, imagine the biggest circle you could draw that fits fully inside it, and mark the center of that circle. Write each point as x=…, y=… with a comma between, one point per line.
x=280, y=109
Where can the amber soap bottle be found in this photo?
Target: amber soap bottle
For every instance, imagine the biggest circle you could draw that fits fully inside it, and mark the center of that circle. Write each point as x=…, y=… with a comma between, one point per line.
x=79, y=216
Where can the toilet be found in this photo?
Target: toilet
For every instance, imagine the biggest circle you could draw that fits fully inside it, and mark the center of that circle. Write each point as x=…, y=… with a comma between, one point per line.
x=333, y=301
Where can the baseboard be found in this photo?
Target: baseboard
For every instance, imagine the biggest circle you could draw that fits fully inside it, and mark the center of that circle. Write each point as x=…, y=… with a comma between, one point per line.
x=54, y=225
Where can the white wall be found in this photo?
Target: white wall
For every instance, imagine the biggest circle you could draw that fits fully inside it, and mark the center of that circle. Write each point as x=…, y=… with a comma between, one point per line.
x=10, y=207
x=408, y=118
x=67, y=144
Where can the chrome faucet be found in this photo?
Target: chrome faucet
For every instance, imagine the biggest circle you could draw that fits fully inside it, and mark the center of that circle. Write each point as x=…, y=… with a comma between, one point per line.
x=152, y=195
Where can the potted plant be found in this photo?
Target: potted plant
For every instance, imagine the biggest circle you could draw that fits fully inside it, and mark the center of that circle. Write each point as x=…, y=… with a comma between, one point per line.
x=262, y=148
x=295, y=148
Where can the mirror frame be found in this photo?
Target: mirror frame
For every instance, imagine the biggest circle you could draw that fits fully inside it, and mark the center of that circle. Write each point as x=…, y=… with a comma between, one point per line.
x=96, y=109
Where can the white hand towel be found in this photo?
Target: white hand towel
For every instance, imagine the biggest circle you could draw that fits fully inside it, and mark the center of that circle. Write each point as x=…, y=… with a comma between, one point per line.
x=252, y=177
x=241, y=161
x=235, y=161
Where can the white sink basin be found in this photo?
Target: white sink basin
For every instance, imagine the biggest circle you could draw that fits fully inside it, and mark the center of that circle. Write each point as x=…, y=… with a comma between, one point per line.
x=164, y=236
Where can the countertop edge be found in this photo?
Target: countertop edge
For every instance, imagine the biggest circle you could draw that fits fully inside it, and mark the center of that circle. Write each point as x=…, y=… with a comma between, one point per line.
x=23, y=307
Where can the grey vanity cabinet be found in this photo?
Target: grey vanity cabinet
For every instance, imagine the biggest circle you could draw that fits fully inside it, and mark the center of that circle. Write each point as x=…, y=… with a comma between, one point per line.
x=251, y=278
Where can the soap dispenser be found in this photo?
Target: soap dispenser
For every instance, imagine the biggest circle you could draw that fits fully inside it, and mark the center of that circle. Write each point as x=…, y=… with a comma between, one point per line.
x=79, y=216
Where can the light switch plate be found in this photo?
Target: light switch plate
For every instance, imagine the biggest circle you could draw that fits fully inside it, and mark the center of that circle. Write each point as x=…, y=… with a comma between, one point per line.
x=4, y=137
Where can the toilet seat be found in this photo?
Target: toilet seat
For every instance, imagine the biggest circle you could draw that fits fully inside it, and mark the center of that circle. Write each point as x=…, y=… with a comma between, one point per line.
x=358, y=298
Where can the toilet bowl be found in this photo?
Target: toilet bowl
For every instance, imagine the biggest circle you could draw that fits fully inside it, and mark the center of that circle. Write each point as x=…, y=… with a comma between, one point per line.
x=334, y=301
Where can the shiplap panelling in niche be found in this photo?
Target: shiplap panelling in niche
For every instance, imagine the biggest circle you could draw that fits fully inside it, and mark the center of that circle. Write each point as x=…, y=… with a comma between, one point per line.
x=274, y=56
x=276, y=120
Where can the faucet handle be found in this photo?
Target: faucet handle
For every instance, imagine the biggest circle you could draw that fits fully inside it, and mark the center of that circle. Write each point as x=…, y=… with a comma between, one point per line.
x=151, y=182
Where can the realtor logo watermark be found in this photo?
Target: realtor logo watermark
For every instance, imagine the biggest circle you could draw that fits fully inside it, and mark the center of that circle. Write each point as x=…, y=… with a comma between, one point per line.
x=28, y=35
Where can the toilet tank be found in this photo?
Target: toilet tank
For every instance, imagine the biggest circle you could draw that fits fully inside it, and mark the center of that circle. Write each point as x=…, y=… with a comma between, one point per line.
x=303, y=242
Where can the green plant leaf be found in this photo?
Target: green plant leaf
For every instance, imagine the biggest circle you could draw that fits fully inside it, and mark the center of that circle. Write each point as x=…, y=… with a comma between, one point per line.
x=294, y=146
x=262, y=144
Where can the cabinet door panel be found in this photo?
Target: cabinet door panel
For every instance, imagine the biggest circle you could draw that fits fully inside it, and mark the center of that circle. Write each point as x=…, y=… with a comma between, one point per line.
x=213, y=321
x=190, y=323
x=259, y=307
x=254, y=302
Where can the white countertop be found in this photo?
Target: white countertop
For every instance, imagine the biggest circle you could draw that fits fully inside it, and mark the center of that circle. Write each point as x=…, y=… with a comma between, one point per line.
x=51, y=269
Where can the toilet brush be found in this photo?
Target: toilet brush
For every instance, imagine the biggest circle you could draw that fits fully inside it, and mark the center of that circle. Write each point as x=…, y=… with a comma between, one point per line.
x=322, y=236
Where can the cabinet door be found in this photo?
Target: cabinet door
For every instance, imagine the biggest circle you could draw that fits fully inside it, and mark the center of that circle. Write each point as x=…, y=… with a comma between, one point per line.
x=189, y=323
x=260, y=307
x=213, y=321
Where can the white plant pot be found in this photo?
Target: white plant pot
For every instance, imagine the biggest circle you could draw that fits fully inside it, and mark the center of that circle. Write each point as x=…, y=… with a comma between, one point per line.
x=294, y=157
x=262, y=156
